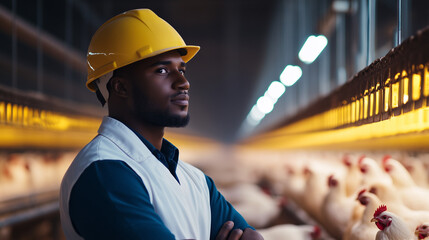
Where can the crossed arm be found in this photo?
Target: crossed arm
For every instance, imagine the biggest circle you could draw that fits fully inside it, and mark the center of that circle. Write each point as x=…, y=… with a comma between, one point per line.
x=228, y=233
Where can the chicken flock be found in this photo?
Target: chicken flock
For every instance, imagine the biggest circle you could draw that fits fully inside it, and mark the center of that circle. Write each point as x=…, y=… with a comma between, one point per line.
x=27, y=173
x=350, y=197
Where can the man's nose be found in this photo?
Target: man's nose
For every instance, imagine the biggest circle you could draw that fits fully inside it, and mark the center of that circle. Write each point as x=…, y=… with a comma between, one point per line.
x=181, y=82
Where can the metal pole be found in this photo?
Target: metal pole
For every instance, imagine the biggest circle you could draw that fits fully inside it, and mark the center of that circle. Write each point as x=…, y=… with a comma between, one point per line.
x=341, y=49
x=399, y=18
x=363, y=39
x=14, y=46
x=51, y=46
x=39, y=47
x=68, y=38
x=371, y=31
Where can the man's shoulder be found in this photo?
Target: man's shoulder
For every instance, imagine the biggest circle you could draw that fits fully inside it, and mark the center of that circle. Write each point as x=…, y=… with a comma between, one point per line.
x=99, y=148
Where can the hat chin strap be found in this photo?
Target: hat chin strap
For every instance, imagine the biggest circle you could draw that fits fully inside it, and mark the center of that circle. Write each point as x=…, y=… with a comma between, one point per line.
x=102, y=85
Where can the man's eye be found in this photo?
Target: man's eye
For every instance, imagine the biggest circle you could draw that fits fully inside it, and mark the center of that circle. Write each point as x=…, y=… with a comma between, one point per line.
x=162, y=70
x=182, y=71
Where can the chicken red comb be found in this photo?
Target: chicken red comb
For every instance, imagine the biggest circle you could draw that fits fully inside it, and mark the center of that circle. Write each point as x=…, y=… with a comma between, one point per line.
x=361, y=192
x=361, y=159
x=379, y=210
x=316, y=232
x=306, y=170
x=347, y=161
x=362, y=199
x=386, y=158
x=332, y=182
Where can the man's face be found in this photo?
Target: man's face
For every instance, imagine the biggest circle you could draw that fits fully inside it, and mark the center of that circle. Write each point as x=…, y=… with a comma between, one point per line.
x=160, y=90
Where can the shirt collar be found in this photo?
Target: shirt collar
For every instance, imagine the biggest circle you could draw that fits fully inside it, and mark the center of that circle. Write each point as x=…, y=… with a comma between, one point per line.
x=170, y=152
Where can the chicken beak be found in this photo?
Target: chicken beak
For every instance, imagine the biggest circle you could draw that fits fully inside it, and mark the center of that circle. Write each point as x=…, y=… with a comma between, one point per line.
x=374, y=220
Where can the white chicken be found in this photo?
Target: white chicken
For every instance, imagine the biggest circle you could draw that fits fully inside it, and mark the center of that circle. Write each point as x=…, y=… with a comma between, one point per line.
x=353, y=175
x=314, y=193
x=389, y=195
x=391, y=226
x=295, y=183
x=252, y=203
x=372, y=172
x=413, y=196
x=363, y=229
x=290, y=231
x=335, y=200
x=418, y=172
x=16, y=176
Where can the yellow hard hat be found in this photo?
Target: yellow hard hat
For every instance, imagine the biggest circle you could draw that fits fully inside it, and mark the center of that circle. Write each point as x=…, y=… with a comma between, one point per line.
x=129, y=37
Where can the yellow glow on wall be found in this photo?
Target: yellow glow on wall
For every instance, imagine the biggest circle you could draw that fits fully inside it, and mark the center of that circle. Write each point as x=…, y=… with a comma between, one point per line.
x=386, y=98
x=50, y=129
x=347, y=111
x=9, y=113
x=408, y=130
x=416, y=86
x=14, y=113
x=365, y=107
x=395, y=95
x=371, y=104
x=2, y=112
x=344, y=114
x=377, y=102
x=359, y=109
x=397, y=76
x=426, y=84
x=25, y=116
x=405, y=81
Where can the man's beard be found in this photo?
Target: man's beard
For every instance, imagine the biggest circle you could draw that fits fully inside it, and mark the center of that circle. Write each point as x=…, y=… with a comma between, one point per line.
x=163, y=118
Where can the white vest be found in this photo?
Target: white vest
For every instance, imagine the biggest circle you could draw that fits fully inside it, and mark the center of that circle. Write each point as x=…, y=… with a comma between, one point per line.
x=184, y=208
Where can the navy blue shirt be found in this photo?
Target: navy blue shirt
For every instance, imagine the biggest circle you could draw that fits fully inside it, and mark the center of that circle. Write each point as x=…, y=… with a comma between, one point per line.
x=110, y=201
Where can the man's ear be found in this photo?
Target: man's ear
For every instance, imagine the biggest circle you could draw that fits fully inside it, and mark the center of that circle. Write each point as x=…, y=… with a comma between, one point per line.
x=119, y=86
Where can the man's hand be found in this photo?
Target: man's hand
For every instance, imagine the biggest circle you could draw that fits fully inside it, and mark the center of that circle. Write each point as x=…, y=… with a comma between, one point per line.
x=250, y=234
x=226, y=229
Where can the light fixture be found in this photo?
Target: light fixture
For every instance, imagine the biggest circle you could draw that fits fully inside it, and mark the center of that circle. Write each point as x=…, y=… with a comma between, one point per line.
x=341, y=6
x=312, y=47
x=290, y=75
x=251, y=121
x=265, y=104
x=256, y=114
x=275, y=91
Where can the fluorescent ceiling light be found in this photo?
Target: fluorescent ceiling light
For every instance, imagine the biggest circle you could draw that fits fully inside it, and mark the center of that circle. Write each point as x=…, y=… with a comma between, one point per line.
x=256, y=114
x=290, y=75
x=341, y=6
x=275, y=90
x=265, y=104
x=312, y=47
x=251, y=121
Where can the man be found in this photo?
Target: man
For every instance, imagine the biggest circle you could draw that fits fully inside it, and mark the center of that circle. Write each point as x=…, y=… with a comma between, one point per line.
x=128, y=183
